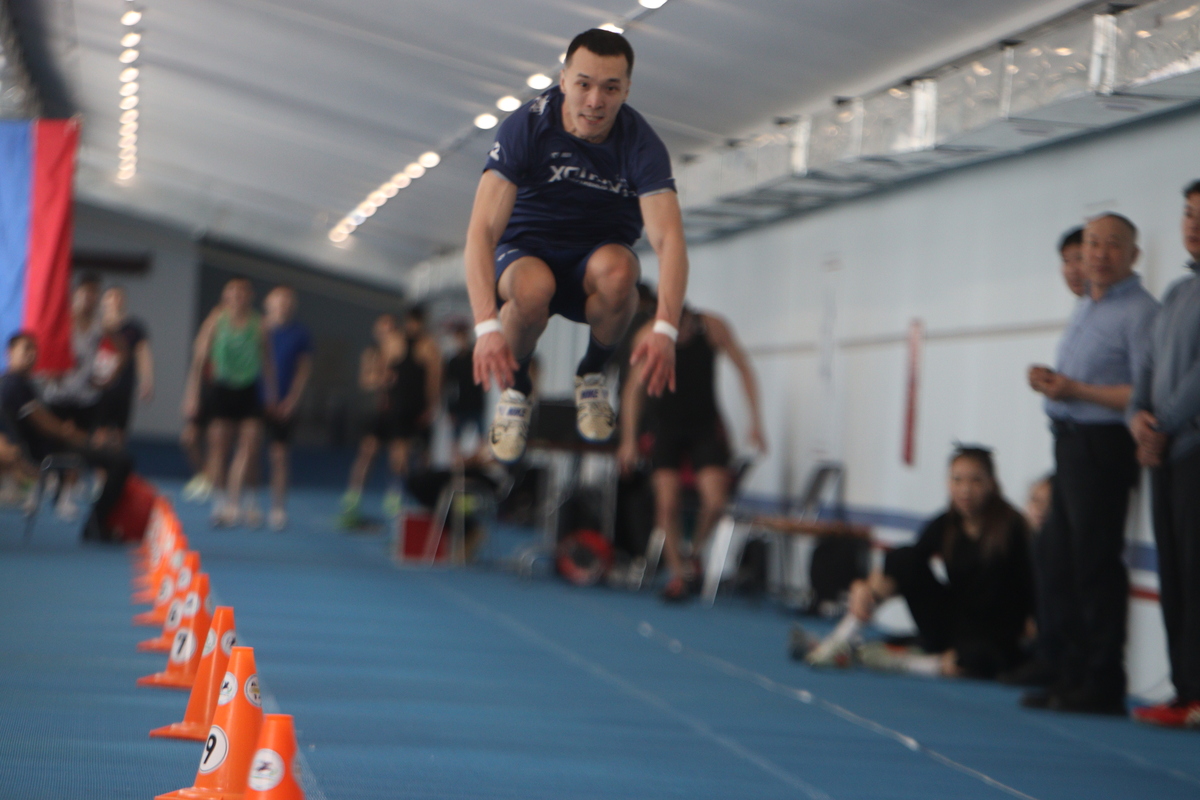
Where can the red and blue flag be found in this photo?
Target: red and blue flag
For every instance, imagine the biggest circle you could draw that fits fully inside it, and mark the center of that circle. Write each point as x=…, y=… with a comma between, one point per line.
x=37, y=169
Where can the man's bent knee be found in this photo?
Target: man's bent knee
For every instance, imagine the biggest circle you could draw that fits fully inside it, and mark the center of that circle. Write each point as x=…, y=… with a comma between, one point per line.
x=529, y=284
x=613, y=270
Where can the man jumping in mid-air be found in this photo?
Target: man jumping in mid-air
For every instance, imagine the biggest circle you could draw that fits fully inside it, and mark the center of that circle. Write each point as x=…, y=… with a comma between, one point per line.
x=569, y=182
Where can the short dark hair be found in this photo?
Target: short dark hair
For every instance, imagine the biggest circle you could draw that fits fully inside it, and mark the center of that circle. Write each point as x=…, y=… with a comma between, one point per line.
x=88, y=279
x=416, y=311
x=1192, y=188
x=1121, y=218
x=603, y=43
x=20, y=335
x=1073, y=236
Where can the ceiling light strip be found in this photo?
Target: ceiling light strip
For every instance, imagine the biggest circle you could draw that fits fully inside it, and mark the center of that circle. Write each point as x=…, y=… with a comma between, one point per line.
x=538, y=82
x=129, y=77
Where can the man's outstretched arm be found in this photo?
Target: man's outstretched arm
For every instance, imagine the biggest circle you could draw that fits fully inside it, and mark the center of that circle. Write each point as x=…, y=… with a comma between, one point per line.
x=494, y=200
x=664, y=231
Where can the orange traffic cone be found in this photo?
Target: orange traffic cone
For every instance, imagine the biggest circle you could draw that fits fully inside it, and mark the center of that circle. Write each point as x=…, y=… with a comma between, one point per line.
x=177, y=614
x=273, y=768
x=183, y=659
x=166, y=564
x=225, y=758
x=165, y=537
x=203, y=700
x=181, y=580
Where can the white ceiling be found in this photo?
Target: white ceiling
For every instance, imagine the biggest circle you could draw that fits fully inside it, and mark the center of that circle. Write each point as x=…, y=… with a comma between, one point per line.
x=265, y=121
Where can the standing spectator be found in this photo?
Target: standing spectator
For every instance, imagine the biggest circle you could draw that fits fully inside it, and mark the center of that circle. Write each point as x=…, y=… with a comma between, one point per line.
x=236, y=345
x=1042, y=668
x=374, y=366
x=72, y=396
x=414, y=387
x=1166, y=426
x=1104, y=346
x=464, y=397
x=124, y=363
x=291, y=344
x=688, y=430
x=43, y=432
x=1070, y=251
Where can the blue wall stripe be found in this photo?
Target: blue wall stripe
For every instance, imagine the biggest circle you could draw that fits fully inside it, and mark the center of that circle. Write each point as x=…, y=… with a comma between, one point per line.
x=16, y=194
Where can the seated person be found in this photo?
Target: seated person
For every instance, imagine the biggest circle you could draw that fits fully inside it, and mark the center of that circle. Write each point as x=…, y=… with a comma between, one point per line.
x=42, y=433
x=967, y=580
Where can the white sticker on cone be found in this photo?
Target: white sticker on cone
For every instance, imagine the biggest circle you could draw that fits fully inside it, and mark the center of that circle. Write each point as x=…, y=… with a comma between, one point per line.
x=184, y=579
x=216, y=748
x=266, y=770
x=228, y=640
x=184, y=646
x=165, y=590
x=174, y=615
x=252, y=693
x=210, y=642
x=191, y=604
x=228, y=689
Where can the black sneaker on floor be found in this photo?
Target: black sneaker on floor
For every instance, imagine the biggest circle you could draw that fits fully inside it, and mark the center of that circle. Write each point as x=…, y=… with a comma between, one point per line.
x=1090, y=701
x=1034, y=673
x=1039, y=698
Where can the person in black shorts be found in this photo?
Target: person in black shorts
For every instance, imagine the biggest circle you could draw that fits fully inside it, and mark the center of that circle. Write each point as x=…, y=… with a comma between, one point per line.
x=124, y=364
x=464, y=397
x=414, y=393
x=569, y=183
x=291, y=346
x=688, y=431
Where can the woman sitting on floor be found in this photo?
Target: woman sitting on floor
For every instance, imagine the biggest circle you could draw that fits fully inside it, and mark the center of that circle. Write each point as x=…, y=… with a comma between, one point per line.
x=967, y=580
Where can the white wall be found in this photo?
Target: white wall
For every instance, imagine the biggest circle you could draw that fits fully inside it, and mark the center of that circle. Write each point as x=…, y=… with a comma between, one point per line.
x=972, y=254
x=164, y=299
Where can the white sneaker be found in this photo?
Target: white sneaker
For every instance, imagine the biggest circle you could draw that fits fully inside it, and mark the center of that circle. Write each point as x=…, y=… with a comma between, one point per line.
x=277, y=519
x=594, y=415
x=66, y=509
x=510, y=426
x=197, y=490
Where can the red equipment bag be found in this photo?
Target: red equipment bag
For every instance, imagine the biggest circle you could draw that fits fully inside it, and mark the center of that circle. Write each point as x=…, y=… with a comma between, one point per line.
x=131, y=515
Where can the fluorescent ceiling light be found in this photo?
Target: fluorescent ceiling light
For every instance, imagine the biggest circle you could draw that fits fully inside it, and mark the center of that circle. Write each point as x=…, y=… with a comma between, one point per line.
x=486, y=121
x=128, y=56
x=652, y=3
x=389, y=190
x=129, y=88
x=508, y=103
x=429, y=160
x=129, y=74
x=414, y=170
x=538, y=81
x=401, y=180
x=128, y=128
x=377, y=198
x=129, y=116
x=129, y=102
x=131, y=39
x=127, y=141
x=131, y=17
x=608, y=26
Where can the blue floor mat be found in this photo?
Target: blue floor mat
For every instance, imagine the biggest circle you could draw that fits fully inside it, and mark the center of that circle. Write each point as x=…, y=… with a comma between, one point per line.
x=437, y=683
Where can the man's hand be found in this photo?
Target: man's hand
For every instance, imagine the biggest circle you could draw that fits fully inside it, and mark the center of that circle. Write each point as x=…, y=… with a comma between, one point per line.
x=493, y=361
x=146, y=391
x=1151, y=442
x=1038, y=374
x=655, y=354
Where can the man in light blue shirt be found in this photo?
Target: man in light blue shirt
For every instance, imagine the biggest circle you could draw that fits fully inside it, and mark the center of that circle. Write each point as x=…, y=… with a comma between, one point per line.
x=1165, y=422
x=1104, y=346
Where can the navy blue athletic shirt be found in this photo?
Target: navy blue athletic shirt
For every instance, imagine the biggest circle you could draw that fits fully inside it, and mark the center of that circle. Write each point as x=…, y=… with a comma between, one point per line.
x=570, y=192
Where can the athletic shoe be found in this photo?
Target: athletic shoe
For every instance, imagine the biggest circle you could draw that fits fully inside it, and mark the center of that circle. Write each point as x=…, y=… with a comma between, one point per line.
x=197, y=490
x=1033, y=673
x=1086, y=700
x=1175, y=714
x=392, y=503
x=225, y=516
x=831, y=653
x=801, y=643
x=252, y=516
x=349, y=517
x=884, y=657
x=510, y=426
x=594, y=415
x=277, y=519
x=66, y=508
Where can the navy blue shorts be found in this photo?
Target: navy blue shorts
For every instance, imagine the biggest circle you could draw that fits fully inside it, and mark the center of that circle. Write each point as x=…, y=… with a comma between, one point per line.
x=568, y=265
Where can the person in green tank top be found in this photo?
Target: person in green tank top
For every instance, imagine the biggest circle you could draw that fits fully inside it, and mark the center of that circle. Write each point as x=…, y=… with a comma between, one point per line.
x=233, y=345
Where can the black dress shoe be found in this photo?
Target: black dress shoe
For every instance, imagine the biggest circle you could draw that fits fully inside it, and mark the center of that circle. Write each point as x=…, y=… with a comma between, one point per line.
x=1034, y=673
x=1039, y=698
x=1090, y=701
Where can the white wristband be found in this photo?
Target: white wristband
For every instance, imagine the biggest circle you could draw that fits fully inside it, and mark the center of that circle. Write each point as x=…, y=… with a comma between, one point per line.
x=666, y=329
x=487, y=326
